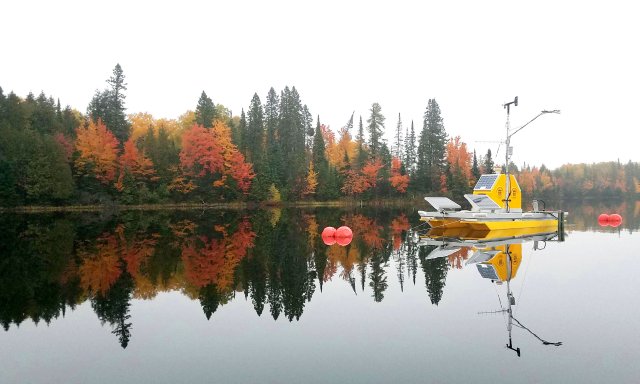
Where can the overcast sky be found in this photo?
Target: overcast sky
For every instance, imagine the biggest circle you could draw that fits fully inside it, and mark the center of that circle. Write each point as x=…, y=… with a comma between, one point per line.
x=342, y=56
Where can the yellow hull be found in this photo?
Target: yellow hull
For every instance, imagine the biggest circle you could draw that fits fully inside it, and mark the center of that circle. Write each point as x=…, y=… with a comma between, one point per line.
x=466, y=229
x=512, y=224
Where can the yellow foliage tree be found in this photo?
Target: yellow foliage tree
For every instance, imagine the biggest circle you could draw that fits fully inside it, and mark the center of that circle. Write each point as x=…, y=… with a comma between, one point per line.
x=312, y=181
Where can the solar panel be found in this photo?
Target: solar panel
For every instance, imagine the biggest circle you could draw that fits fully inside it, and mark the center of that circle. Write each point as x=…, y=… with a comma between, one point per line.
x=442, y=203
x=487, y=271
x=482, y=202
x=486, y=182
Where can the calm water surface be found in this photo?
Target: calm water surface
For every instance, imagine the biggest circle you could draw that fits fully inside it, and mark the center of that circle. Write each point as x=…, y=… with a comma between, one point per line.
x=244, y=297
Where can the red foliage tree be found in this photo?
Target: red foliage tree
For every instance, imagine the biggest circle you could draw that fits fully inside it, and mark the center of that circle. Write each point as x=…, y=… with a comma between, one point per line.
x=211, y=152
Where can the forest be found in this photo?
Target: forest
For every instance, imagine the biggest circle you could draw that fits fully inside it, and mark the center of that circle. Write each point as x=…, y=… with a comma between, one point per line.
x=275, y=151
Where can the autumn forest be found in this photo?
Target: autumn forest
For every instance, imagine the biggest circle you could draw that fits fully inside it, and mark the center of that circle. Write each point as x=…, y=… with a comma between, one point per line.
x=276, y=150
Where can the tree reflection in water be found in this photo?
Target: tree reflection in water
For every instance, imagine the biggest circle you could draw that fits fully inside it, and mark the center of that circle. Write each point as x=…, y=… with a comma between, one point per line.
x=51, y=263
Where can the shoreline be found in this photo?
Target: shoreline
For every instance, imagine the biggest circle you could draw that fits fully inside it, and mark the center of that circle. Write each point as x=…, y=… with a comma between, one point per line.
x=202, y=206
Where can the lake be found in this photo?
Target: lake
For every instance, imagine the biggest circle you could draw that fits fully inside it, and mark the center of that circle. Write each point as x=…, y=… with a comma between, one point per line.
x=256, y=296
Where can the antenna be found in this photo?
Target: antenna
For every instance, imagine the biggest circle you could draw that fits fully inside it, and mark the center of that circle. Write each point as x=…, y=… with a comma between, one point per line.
x=508, y=105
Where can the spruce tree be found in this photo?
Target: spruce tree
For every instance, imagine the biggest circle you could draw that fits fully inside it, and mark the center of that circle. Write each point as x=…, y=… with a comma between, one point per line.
x=475, y=169
x=120, y=125
x=430, y=156
x=108, y=106
x=488, y=162
x=242, y=133
x=375, y=127
x=362, y=155
x=205, y=111
x=410, y=150
x=255, y=130
x=291, y=134
x=272, y=121
x=397, y=140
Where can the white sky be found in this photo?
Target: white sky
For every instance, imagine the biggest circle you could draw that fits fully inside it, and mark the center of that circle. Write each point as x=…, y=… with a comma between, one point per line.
x=471, y=56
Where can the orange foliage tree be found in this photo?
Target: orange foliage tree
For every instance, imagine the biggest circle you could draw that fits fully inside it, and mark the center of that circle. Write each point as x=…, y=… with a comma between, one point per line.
x=210, y=152
x=213, y=261
x=97, y=152
x=358, y=182
x=136, y=164
x=398, y=181
x=100, y=267
x=459, y=157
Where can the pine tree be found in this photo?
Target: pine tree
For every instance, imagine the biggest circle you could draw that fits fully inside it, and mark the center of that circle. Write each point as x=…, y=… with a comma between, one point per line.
x=321, y=165
x=397, y=140
x=255, y=130
x=271, y=122
x=362, y=153
x=475, y=169
x=410, y=150
x=488, y=164
x=430, y=156
x=291, y=134
x=120, y=125
x=242, y=133
x=205, y=111
x=375, y=127
x=108, y=106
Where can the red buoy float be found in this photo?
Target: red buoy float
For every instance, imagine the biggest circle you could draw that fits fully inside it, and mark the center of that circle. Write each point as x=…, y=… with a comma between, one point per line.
x=328, y=235
x=615, y=220
x=344, y=232
x=344, y=241
x=603, y=219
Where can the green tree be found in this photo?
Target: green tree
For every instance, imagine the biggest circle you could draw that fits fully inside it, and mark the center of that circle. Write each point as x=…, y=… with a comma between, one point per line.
x=435, y=274
x=362, y=153
x=475, y=168
x=108, y=105
x=291, y=139
x=396, y=149
x=255, y=131
x=205, y=111
x=242, y=133
x=430, y=155
x=375, y=127
x=488, y=164
x=113, y=307
x=410, y=150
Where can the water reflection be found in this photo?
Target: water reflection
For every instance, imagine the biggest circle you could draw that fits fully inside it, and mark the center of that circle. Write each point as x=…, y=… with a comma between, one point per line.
x=276, y=259
x=497, y=256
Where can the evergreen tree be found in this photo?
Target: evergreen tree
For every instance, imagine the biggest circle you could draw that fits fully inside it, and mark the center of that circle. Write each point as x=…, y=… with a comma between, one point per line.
x=375, y=127
x=113, y=307
x=321, y=165
x=397, y=140
x=272, y=121
x=435, y=274
x=410, y=150
x=362, y=153
x=3, y=108
x=119, y=124
x=108, y=106
x=378, y=278
x=488, y=164
x=242, y=133
x=291, y=134
x=205, y=111
x=475, y=169
x=308, y=127
x=430, y=156
x=255, y=131
x=318, y=152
